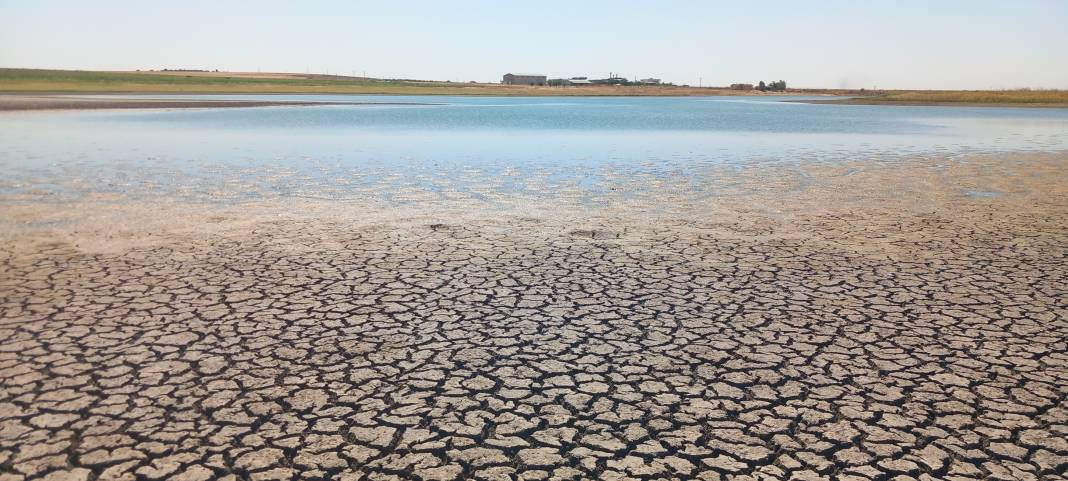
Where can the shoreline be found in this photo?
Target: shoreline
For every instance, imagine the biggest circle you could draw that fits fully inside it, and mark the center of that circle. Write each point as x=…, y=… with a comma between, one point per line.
x=918, y=103
x=440, y=92
x=19, y=103
x=16, y=102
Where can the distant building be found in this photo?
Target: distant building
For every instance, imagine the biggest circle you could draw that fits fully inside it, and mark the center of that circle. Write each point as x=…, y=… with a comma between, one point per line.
x=612, y=80
x=741, y=86
x=523, y=79
x=564, y=82
x=650, y=81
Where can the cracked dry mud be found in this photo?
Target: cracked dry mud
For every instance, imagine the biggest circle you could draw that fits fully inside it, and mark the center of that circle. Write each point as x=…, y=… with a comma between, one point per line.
x=878, y=342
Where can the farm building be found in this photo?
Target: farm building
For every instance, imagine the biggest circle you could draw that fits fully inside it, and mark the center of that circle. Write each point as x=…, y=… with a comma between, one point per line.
x=563, y=82
x=523, y=79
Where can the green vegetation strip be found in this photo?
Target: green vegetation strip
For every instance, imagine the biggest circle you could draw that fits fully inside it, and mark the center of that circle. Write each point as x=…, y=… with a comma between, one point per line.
x=25, y=80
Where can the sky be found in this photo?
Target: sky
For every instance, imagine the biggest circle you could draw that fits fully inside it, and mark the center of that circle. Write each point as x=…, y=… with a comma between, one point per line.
x=902, y=44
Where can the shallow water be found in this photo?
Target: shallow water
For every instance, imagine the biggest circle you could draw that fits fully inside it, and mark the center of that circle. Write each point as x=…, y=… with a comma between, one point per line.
x=476, y=145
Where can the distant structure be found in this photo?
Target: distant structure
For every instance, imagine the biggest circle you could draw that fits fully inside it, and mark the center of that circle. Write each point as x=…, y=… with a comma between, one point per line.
x=612, y=79
x=741, y=86
x=523, y=79
x=565, y=82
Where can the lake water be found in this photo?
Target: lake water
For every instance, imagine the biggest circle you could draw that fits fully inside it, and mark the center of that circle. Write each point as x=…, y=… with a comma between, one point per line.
x=461, y=142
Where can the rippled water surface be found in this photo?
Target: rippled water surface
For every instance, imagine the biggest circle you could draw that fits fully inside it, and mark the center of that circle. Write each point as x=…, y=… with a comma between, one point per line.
x=461, y=143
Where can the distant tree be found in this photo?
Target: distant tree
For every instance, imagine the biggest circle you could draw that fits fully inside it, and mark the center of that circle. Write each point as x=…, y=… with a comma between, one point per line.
x=761, y=86
x=775, y=86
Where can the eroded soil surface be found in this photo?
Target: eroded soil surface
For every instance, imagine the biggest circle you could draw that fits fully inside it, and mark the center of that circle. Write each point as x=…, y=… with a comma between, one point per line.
x=868, y=341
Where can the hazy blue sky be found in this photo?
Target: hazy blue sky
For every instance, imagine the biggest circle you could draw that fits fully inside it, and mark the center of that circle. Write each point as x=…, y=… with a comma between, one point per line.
x=886, y=44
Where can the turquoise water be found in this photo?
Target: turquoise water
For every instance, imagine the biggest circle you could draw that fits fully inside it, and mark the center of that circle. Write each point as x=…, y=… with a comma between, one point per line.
x=573, y=142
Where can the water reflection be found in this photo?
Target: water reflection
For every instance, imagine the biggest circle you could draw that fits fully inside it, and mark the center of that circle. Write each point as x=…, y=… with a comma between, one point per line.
x=477, y=146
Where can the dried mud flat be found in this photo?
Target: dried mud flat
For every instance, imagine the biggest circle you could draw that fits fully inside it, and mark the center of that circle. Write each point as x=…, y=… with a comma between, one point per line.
x=842, y=331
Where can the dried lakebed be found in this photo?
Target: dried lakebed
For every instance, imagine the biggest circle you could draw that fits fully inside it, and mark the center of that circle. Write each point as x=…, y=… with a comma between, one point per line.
x=842, y=331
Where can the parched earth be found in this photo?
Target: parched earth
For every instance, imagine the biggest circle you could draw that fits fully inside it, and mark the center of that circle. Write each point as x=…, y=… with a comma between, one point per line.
x=870, y=344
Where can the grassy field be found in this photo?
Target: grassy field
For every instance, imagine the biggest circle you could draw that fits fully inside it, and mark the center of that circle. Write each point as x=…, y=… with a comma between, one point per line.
x=76, y=81
x=72, y=81
x=973, y=97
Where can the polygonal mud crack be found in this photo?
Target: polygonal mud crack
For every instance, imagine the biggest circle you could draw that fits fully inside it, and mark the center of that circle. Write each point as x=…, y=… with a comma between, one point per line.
x=473, y=353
